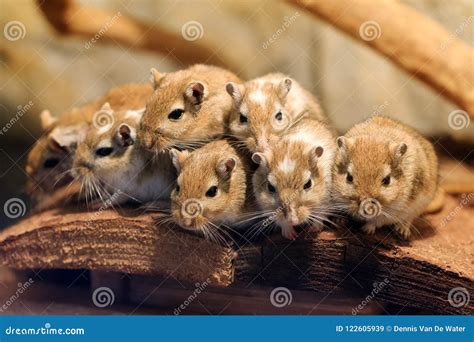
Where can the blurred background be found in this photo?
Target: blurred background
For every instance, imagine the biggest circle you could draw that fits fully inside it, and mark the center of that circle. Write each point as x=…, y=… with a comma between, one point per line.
x=58, y=67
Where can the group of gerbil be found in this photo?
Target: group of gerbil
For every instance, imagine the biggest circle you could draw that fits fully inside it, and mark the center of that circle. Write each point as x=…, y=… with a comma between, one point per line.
x=213, y=152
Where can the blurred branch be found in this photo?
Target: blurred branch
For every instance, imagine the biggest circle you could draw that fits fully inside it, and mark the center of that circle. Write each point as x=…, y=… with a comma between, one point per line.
x=69, y=17
x=411, y=40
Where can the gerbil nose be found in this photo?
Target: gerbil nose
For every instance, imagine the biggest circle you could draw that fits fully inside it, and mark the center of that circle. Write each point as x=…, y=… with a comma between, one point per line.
x=290, y=215
x=369, y=208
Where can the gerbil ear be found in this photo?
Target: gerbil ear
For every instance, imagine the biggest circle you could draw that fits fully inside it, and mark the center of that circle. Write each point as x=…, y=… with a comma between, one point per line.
x=178, y=158
x=225, y=167
x=56, y=147
x=399, y=151
x=235, y=90
x=260, y=159
x=342, y=143
x=316, y=153
x=155, y=77
x=47, y=119
x=195, y=92
x=126, y=135
x=284, y=87
x=106, y=107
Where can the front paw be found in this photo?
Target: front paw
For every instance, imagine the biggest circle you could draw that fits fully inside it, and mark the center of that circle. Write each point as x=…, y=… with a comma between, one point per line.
x=289, y=232
x=369, y=228
x=404, y=230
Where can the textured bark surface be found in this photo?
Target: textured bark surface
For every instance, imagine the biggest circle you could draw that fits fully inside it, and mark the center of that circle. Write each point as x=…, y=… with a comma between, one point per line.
x=418, y=274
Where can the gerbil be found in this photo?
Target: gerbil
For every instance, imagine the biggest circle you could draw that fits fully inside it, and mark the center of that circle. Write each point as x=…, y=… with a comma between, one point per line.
x=386, y=173
x=266, y=107
x=211, y=188
x=53, y=152
x=111, y=163
x=187, y=109
x=293, y=180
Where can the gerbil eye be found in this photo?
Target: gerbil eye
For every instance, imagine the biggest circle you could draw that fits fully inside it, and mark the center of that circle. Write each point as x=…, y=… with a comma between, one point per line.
x=279, y=116
x=271, y=188
x=104, y=151
x=308, y=184
x=50, y=163
x=177, y=188
x=212, y=191
x=349, y=178
x=243, y=118
x=176, y=114
x=386, y=181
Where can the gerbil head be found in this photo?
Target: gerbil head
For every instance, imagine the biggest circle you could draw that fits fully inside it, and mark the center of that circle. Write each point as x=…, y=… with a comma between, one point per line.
x=51, y=156
x=291, y=182
x=210, y=186
x=175, y=112
x=109, y=151
x=370, y=176
x=259, y=115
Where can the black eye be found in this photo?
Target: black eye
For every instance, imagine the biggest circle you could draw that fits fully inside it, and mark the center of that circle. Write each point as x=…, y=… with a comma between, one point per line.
x=308, y=184
x=386, y=181
x=176, y=114
x=243, y=118
x=177, y=188
x=349, y=178
x=212, y=191
x=50, y=163
x=279, y=116
x=104, y=151
x=271, y=188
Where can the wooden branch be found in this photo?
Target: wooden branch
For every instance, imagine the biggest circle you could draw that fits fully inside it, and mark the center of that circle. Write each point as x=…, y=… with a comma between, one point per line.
x=419, y=274
x=411, y=40
x=70, y=17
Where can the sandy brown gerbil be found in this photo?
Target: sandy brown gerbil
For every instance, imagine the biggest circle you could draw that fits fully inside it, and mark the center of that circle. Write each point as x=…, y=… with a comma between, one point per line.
x=266, y=107
x=293, y=181
x=111, y=164
x=211, y=188
x=386, y=173
x=51, y=156
x=187, y=109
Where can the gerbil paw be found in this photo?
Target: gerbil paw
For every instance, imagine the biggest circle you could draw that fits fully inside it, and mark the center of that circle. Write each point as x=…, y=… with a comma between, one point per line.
x=289, y=232
x=369, y=228
x=404, y=230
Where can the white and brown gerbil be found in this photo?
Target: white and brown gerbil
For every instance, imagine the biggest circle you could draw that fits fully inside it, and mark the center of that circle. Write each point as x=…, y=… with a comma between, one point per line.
x=112, y=165
x=386, y=173
x=51, y=156
x=266, y=107
x=292, y=184
x=211, y=188
x=187, y=109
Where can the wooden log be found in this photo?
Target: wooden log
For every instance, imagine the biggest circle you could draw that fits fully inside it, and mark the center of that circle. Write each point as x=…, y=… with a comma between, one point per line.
x=409, y=39
x=424, y=273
